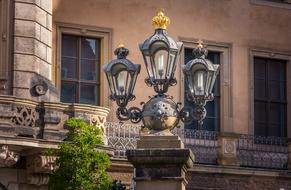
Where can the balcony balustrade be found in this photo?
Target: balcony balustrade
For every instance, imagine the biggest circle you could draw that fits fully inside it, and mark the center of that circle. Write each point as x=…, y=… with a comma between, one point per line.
x=252, y=151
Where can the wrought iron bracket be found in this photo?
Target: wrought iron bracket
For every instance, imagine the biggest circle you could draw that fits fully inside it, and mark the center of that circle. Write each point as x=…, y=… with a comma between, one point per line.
x=187, y=114
x=134, y=114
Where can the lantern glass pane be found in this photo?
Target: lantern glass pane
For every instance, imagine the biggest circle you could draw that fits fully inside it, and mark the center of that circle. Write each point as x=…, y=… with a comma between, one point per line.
x=209, y=81
x=160, y=63
x=199, y=80
x=171, y=65
x=213, y=80
x=132, y=82
x=110, y=82
x=122, y=84
x=149, y=66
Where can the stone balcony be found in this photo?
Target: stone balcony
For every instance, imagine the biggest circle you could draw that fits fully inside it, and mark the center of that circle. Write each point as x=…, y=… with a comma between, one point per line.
x=28, y=128
x=45, y=120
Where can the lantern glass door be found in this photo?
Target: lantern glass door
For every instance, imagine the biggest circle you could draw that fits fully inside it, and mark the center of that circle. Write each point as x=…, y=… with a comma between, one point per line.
x=200, y=78
x=122, y=82
x=161, y=59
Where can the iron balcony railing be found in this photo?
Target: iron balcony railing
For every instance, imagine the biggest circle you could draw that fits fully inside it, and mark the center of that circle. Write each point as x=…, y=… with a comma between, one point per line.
x=261, y=152
x=202, y=143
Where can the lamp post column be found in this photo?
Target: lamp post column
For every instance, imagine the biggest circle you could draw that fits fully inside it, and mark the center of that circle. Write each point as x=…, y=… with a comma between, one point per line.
x=160, y=162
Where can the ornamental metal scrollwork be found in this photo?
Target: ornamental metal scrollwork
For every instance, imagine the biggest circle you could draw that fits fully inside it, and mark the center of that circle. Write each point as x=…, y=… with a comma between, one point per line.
x=25, y=117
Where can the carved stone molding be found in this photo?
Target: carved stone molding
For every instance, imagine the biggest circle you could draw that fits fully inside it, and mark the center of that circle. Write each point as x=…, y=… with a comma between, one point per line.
x=227, y=153
x=25, y=116
x=7, y=157
x=38, y=179
x=41, y=164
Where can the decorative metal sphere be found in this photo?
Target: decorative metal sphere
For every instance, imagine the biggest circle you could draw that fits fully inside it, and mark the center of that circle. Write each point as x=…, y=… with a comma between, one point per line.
x=160, y=113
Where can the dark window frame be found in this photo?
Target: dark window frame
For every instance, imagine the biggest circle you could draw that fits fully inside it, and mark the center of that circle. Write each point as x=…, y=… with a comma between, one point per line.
x=78, y=81
x=268, y=101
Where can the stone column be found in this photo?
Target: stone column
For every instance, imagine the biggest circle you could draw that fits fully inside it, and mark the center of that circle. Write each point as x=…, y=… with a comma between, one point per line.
x=227, y=153
x=160, y=162
x=32, y=70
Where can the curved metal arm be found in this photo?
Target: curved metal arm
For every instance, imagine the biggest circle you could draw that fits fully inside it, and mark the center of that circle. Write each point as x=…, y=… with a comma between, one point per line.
x=134, y=114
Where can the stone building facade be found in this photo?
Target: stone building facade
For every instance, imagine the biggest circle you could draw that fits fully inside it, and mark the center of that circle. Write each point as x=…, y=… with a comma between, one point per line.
x=51, y=58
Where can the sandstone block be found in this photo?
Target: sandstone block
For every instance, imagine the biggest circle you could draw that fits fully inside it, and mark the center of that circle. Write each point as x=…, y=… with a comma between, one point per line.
x=49, y=55
x=45, y=36
x=26, y=62
x=25, y=11
x=40, y=50
x=46, y=5
x=24, y=45
x=37, y=2
x=27, y=28
x=49, y=22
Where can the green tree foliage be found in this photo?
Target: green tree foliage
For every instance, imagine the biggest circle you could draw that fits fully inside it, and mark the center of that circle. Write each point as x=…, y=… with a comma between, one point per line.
x=80, y=166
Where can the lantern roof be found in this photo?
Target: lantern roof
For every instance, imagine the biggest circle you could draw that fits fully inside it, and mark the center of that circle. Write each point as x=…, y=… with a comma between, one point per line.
x=121, y=52
x=200, y=52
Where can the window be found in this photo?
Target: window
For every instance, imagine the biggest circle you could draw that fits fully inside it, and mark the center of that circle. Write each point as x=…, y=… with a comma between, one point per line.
x=80, y=69
x=280, y=1
x=270, y=101
x=212, y=120
x=273, y=3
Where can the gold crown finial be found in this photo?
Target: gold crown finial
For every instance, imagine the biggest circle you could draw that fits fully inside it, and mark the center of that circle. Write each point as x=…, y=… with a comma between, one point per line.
x=200, y=44
x=160, y=21
x=120, y=44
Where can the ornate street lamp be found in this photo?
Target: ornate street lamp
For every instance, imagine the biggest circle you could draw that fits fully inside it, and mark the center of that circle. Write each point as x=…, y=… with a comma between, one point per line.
x=121, y=75
x=200, y=74
x=161, y=53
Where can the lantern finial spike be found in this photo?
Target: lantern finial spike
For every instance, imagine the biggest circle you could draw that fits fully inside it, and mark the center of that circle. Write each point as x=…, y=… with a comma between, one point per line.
x=121, y=44
x=200, y=44
x=160, y=21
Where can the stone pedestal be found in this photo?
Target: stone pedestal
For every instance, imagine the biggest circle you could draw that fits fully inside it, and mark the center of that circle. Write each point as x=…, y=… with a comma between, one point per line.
x=227, y=153
x=160, y=162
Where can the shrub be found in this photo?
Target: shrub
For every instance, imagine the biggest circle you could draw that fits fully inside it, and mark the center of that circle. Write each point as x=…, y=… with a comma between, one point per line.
x=80, y=166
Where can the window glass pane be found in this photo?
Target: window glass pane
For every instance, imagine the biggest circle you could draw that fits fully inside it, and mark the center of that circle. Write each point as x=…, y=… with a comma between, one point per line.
x=88, y=48
x=275, y=113
x=260, y=68
x=68, y=92
x=69, y=45
x=89, y=69
x=260, y=129
x=260, y=112
x=89, y=94
x=276, y=92
x=260, y=89
x=274, y=130
x=69, y=67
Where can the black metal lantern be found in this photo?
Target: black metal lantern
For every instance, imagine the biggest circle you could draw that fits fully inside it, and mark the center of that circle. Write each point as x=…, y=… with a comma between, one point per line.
x=200, y=74
x=121, y=75
x=160, y=53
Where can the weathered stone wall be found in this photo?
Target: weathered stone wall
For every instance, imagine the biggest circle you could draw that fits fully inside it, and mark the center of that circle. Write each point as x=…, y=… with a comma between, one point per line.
x=224, y=178
x=33, y=50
